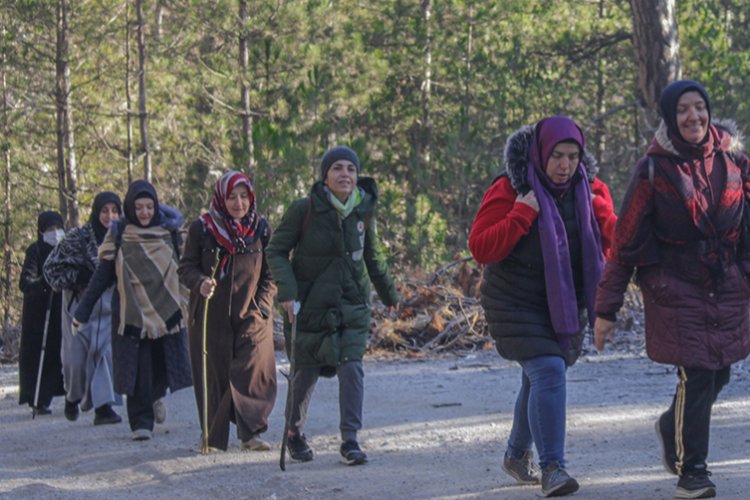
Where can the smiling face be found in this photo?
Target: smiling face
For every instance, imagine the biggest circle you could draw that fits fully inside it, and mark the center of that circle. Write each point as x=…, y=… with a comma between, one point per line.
x=692, y=117
x=562, y=163
x=341, y=179
x=108, y=214
x=238, y=202
x=144, y=210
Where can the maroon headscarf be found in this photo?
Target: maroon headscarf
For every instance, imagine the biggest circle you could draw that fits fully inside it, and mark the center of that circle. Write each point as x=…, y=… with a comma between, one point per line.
x=558, y=271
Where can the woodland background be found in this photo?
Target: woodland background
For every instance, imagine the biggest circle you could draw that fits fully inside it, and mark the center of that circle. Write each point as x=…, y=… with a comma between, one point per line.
x=94, y=94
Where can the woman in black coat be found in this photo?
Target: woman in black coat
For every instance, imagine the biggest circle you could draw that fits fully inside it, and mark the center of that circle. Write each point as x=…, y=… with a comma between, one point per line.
x=41, y=306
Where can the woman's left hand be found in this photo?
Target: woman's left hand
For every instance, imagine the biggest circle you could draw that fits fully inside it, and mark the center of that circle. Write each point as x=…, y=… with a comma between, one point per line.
x=603, y=330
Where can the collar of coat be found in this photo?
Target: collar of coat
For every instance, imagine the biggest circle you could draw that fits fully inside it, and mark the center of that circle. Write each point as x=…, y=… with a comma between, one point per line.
x=516, y=159
x=725, y=127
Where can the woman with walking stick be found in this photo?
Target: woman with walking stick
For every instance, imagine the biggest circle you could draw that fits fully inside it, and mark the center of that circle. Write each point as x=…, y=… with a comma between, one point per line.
x=336, y=253
x=39, y=365
x=230, y=316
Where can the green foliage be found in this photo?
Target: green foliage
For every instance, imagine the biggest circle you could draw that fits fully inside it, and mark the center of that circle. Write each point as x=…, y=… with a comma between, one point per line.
x=322, y=73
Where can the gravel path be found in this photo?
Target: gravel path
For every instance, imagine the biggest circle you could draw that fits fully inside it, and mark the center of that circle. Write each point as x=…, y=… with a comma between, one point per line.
x=433, y=429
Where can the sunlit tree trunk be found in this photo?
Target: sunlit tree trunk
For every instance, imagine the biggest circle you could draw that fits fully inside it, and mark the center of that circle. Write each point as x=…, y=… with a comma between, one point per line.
x=142, y=111
x=67, y=170
x=128, y=97
x=247, y=118
x=657, y=49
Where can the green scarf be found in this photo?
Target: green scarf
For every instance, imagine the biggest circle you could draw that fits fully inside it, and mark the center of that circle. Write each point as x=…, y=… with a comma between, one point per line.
x=344, y=209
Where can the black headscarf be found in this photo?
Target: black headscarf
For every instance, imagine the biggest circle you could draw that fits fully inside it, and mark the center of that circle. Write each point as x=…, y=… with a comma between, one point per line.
x=140, y=189
x=100, y=200
x=669, y=98
x=44, y=222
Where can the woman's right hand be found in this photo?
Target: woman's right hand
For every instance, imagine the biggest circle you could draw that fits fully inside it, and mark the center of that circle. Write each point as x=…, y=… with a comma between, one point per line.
x=528, y=199
x=289, y=308
x=603, y=330
x=207, y=287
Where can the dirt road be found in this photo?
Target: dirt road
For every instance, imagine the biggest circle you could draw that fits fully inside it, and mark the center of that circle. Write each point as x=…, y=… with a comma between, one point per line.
x=433, y=429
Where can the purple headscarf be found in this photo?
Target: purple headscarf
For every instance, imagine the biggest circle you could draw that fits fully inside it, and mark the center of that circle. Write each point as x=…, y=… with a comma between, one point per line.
x=558, y=271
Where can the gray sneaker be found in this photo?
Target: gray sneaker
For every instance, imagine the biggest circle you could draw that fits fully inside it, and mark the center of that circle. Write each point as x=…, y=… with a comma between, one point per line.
x=523, y=469
x=556, y=482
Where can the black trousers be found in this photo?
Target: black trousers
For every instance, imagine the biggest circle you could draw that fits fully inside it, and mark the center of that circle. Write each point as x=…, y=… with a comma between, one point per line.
x=150, y=384
x=689, y=417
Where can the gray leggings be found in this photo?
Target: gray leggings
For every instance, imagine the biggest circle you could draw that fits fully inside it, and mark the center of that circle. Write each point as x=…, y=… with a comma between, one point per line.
x=351, y=394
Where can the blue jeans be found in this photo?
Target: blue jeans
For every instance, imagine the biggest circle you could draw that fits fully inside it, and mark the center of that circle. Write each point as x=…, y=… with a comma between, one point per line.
x=539, y=416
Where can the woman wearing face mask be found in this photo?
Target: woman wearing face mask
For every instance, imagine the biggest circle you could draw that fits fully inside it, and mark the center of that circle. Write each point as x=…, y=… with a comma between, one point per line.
x=149, y=348
x=542, y=230
x=86, y=356
x=41, y=309
x=336, y=253
x=240, y=364
x=682, y=229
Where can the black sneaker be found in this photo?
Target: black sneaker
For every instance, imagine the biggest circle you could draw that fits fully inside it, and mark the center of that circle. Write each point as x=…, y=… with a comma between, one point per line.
x=523, y=469
x=106, y=415
x=668, y=453
x=351, y=454
x=71, y=410
x=695, y=484
x=556, y=482
x=298, y=448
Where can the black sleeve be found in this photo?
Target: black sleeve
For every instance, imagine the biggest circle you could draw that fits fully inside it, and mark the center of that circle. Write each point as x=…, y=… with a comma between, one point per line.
x=103, y=277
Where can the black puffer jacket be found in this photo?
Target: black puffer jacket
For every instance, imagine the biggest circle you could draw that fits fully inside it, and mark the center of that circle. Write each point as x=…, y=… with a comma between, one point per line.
x=513, y=290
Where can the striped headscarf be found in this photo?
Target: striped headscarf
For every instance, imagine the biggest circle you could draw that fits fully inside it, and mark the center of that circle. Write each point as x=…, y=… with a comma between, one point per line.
x=229, y=233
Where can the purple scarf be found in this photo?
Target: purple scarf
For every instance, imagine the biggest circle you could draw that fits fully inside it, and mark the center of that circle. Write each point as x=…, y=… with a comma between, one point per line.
x=558, y=272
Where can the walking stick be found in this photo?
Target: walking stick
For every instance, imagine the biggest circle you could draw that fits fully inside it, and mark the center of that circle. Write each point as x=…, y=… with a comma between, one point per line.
x=41, y=355
x=290, y=388
x=204, y=356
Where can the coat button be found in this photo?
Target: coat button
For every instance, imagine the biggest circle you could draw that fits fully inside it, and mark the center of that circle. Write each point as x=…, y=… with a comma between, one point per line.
x=711, y=294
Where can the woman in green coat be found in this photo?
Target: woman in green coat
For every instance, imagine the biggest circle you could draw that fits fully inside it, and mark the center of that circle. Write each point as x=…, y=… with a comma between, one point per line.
x=335, y=253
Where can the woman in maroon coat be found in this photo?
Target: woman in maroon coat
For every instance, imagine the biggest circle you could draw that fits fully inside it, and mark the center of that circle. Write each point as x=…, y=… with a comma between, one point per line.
x=680, y=226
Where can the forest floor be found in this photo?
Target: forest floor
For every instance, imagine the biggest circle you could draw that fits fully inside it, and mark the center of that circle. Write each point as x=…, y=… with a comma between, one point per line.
x=434, y=428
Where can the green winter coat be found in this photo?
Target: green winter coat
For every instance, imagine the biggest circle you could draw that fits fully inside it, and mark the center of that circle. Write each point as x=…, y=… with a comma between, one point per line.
x=331, y=266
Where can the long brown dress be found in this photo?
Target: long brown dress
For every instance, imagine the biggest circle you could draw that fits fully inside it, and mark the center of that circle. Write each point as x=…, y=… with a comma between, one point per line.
x=240, y=360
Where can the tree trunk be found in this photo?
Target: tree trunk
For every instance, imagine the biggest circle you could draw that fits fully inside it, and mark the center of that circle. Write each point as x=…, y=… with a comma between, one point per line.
x=142, y=112
x=67, y=171
x=657, y=48
x=7, y=234
x=128, y=97
x=247, y=119
x=425, y=145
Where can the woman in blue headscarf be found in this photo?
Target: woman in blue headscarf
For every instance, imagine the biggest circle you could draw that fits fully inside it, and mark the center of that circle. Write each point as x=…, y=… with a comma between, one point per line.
x=542, y=230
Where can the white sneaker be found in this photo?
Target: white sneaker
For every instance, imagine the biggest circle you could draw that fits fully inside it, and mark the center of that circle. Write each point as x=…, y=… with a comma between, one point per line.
x=255, y=444
x=142, y=435
x=160, y=411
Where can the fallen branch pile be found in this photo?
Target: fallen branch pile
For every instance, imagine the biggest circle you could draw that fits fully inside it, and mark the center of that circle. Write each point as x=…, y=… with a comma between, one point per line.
x=439, y=312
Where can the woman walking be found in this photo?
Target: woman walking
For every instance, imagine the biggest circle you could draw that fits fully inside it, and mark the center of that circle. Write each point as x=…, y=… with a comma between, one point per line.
x=41, y=313
x=336, y=253
x=225, y=261
x=86, y=356
x=542, y=229
x=682, y=229
x=149, y=347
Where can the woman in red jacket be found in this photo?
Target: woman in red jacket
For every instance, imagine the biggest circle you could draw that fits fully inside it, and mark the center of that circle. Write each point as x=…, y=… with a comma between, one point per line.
x=543, y=229
x=680, y=226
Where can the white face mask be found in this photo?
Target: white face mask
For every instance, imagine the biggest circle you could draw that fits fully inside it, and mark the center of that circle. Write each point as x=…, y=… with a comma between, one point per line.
x=53, y=237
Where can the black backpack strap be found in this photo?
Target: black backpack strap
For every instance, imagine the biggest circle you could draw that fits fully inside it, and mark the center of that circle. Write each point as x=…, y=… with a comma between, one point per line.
x=651, y=170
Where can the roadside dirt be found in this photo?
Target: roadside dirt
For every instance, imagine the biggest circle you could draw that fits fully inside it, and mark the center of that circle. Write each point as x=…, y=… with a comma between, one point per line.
x=434, y=428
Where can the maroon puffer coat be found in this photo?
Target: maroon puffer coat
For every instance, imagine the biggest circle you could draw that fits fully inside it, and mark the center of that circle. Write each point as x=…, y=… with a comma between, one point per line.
x=681, y=230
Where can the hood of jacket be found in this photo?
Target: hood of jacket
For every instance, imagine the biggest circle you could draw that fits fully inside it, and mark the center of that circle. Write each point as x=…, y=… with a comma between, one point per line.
x=516, y=159
x=727, y=134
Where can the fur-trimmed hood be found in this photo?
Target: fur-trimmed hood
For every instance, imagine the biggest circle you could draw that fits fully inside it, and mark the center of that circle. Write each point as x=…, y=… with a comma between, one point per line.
x=727, y=129
x=516, y=159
